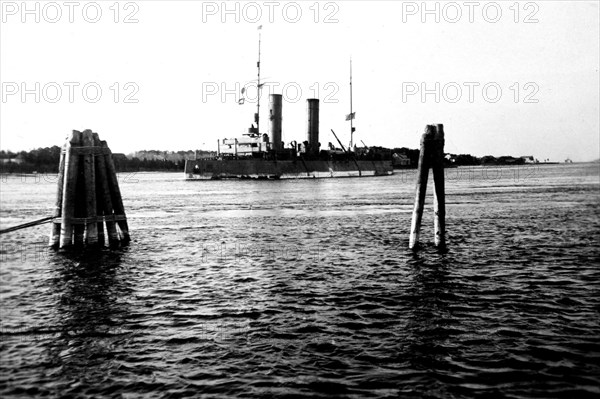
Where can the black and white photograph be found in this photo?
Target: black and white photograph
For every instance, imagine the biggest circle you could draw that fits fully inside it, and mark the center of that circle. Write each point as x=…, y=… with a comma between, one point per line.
x=299, y=199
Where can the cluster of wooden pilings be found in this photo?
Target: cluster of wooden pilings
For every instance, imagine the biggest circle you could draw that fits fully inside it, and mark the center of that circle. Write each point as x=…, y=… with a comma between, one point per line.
x=88, y=196
x=431, y=156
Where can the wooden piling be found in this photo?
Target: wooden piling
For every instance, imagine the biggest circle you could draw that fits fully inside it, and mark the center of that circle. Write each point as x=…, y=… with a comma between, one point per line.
x=78, y=227
x=69, y=189
x=88, y=195
x=115, y=193
x=89, y=180
x=99, y=211
x=99, y=205
x=104, y=197
x=439, y=195
x=55, y=233
x=421, y=189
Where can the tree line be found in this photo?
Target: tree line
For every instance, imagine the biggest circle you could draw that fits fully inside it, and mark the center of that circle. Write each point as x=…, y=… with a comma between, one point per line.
x=46, y=160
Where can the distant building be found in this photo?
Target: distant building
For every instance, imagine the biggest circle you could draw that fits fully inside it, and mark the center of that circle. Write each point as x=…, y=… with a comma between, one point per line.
x=400, y=159
x=18, y=160
x=528, y=159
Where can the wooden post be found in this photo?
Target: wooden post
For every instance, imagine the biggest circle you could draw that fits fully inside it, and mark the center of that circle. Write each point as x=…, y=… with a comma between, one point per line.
x=88, y=194
x=68, y=192
x=104, y=197
x=89, y=180
x=99, y=209
x=115, y=193
x=439, y=196
x=55, y=232
x=421, y=190
x=78, y=227
x=99, y=205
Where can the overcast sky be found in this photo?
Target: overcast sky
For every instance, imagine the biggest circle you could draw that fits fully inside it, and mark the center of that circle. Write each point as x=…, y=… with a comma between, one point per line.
x=504, y=79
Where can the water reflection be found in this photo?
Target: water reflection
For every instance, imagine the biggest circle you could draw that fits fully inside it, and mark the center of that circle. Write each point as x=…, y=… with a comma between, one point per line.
x=92, y=292
x=430, y=322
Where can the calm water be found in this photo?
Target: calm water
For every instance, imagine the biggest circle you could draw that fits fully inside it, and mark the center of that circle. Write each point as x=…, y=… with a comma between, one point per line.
x=305, y=288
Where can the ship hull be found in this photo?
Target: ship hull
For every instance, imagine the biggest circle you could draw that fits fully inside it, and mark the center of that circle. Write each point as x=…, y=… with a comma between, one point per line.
x=204, y=169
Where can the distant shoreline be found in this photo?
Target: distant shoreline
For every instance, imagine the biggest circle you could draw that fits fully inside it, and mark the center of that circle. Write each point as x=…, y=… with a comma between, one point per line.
x=403, y=168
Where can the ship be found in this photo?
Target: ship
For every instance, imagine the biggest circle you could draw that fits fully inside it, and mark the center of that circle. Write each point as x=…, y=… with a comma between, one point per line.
x=265, y=156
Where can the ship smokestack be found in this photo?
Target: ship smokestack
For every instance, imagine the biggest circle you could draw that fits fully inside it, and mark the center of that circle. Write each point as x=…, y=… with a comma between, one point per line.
x=312, y=134
x=275, y=106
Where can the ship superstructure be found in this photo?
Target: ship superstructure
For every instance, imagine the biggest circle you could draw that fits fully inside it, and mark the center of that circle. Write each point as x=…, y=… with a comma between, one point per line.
x=266, y=156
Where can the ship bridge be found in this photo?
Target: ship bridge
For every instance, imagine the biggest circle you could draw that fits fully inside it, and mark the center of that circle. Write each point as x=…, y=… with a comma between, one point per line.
x=245, y=146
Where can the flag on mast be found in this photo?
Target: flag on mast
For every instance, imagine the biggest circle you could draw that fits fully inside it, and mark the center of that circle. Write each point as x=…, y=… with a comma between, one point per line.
x=350, y=116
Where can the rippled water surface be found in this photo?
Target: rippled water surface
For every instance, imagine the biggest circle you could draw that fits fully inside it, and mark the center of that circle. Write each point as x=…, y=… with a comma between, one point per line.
x=306, y=288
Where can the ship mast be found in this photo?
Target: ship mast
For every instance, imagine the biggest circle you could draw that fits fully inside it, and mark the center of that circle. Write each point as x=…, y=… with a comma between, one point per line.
x=258, y=84
x=351, y=115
